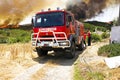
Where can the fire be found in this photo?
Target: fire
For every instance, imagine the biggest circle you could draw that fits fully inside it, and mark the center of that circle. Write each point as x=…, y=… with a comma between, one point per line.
x=12, y=12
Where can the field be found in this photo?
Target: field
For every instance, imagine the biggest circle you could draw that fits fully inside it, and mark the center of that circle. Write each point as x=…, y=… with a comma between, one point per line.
x=15, y=51
x=15, y=35
x=14, y=59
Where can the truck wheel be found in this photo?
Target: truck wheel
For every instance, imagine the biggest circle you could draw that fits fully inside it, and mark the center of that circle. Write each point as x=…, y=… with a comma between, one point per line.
x=81, y=46
x=71, y=51
x=41, y=52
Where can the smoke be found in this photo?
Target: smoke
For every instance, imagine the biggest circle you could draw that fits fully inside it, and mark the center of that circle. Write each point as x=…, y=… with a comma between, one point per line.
x=12, y=12
x=84, y=9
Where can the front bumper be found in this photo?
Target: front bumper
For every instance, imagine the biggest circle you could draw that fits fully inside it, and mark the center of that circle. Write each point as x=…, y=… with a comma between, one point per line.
x=55, y=41
x=59, y=44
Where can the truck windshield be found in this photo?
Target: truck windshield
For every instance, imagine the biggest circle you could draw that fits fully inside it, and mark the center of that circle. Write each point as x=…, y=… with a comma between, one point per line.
x=49, y=19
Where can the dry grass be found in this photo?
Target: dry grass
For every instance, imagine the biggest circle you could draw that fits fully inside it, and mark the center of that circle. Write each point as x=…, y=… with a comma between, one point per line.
x=112, y=74
x=96, y=65
x=9, y=69
x=14, y=59
x=15, y=51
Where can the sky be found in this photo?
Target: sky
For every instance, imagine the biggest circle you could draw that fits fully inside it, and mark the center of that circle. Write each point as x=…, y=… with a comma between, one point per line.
x=109, y=14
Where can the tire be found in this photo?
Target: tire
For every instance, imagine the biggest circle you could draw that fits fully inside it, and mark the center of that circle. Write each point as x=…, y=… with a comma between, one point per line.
x=71, y=51
x=41, y=52
x=81, y=46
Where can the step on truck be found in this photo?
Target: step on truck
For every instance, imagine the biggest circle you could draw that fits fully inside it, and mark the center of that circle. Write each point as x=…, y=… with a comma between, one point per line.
x=57, y=30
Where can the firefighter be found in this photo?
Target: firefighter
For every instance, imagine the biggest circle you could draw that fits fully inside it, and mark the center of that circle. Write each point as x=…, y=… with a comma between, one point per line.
x=89, y=38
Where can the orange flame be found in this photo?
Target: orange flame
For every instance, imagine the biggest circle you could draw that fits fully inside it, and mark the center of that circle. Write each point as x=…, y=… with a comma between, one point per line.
x=14, y=11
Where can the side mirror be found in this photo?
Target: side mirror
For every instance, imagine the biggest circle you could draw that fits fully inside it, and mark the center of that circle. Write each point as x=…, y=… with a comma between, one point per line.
x=69, y=19
x=33, y=21
x=67, y=24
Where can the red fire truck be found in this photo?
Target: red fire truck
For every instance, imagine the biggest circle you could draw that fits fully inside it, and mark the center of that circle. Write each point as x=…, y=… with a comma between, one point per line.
x=57, y=30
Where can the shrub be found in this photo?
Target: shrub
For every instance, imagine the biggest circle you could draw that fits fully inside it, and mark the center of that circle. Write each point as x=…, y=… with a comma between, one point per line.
x=3, y=39
x=77, y=73
x=14, y=35
x=89, y=26
x=20, y=35
x=105, y=35
x=92, y=27
x=81, y=74
x=96, y=37
x=110, y=50
x=99, y=28
x=11, y=40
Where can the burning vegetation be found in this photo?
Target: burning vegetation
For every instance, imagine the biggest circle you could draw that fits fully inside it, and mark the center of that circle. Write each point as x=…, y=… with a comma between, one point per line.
x=12, y=12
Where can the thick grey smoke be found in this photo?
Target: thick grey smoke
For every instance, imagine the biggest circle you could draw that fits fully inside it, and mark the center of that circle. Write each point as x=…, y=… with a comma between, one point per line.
x=83, y=9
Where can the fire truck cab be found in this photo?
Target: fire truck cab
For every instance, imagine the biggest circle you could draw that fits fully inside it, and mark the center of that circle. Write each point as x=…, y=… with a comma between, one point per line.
x=57, y=30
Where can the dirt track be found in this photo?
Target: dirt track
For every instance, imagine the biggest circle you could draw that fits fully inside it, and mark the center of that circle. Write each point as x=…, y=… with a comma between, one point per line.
x=49, y=68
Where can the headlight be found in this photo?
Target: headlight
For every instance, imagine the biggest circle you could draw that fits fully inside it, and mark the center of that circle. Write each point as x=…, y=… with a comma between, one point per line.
x=66, y=43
